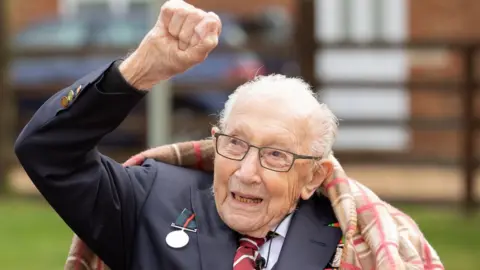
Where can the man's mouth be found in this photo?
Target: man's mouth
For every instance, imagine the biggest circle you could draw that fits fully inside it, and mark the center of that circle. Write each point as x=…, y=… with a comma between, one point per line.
x=246, y=198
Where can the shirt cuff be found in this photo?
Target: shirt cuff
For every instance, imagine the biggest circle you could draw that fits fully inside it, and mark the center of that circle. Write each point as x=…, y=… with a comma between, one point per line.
x=113, y=82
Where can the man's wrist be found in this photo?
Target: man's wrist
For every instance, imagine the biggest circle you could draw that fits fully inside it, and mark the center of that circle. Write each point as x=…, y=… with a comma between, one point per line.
x=135, y=72
x=113, y=82
x=140, y=71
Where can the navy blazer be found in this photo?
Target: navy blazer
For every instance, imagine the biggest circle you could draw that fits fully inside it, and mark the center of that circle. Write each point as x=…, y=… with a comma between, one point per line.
x=125, y=214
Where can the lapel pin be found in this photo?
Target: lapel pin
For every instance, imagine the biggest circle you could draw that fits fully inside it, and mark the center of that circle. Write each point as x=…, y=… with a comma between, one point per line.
x=184, y=222
x=337, y=258
x=70, y=95
x=64, y=101
x=335, y=225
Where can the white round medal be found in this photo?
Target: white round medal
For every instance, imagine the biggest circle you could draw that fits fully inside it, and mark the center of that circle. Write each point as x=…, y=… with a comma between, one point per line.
x=177, y=239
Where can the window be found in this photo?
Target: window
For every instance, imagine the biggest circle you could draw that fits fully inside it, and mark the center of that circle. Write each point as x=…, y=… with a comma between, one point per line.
x=361, y=20
x=54, y=34
x=95, y=8
x=140, y=9
x=121, y=33
x=364, y=21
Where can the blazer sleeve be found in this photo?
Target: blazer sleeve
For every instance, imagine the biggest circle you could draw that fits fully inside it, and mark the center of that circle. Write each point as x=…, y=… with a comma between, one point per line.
x=97, y=197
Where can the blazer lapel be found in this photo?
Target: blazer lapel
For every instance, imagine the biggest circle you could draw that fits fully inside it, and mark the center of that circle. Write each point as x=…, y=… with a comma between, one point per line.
x=310, y=242
x=217, y=243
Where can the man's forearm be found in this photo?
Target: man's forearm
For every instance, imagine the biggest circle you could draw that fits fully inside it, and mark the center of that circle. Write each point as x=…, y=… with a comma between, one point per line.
x=137, y=68
x=134, y=71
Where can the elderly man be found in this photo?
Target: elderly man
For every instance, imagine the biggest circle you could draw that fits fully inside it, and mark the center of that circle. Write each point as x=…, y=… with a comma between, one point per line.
x=271, y=147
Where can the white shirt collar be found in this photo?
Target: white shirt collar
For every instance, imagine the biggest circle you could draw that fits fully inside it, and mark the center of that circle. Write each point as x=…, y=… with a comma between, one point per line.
x=283, y=226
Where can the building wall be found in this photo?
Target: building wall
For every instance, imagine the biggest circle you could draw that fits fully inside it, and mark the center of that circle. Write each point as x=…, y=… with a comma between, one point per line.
x=453, y=20
x=364, y=21
x=445, y=19
x=24, y=12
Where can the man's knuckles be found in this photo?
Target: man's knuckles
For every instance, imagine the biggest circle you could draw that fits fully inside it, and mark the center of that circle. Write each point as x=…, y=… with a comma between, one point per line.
x=213, y=27
x=173, y=5
x=177, y=22
x=188, y=27
x=180, y=18
x=207, y=27
x=217, y=19
x=195, y=30
x=171, y=8
x=166, y=13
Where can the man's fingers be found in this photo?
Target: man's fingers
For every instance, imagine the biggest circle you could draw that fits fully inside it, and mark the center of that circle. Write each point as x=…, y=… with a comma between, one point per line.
x=178, y=19
x=207, y=27
x=188, y=28
x=216, y=18
x=173, y=15
x=134, y=161
x=194, y=31
x=205, y=39
x=200, y=31
x=167, y=11
x=206, y=45
x=195, y=39
x=189, y=24
x=155, y=153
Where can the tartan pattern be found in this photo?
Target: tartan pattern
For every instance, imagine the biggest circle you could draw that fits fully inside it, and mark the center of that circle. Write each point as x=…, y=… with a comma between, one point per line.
x=376, y=235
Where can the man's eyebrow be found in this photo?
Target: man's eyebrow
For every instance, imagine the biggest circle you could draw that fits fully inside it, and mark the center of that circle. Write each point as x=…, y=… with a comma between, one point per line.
x=241, y=130
x=285, y=143
x=236, y=133
x=281, y=145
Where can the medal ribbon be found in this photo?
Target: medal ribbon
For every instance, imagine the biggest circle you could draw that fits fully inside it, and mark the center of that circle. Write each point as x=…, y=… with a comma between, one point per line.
x=186, y=220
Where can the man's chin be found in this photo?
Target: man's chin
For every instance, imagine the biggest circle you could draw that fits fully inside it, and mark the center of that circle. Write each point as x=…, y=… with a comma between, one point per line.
x=244, y=224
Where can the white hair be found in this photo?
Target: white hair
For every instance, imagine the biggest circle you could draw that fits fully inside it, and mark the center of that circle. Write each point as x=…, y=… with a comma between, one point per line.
x=295, y=90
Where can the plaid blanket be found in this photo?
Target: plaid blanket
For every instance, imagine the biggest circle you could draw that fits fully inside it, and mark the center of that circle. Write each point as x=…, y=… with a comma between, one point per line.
x=376, y=235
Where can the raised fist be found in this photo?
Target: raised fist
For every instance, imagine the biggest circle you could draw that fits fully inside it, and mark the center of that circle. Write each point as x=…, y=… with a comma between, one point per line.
x=182, y=37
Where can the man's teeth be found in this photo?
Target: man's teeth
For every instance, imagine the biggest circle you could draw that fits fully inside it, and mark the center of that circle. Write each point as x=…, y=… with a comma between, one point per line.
x=246, y=200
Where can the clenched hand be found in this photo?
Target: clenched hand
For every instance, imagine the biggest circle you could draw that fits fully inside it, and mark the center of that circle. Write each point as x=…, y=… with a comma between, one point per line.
x=182, y=37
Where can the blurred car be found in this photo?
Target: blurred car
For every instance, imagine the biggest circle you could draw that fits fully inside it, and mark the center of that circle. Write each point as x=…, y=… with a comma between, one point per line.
x=274, y=25
x=224, y=66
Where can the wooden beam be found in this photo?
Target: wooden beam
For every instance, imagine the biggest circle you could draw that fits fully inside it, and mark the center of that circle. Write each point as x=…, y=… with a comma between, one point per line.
x=7, y=102
x=469, y=164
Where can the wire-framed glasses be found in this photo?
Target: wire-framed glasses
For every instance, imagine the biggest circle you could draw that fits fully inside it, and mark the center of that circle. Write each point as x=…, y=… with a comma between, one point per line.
x=270, y=158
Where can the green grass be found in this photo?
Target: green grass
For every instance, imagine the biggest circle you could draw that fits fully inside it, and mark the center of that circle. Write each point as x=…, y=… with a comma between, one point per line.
x=454, y=237
x=32, y=236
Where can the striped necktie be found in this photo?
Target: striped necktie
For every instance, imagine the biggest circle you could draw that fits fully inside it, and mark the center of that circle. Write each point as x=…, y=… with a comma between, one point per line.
x=247, y=252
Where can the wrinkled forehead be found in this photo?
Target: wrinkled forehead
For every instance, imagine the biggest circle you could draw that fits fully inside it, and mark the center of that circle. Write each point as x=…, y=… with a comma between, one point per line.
x=269, y=122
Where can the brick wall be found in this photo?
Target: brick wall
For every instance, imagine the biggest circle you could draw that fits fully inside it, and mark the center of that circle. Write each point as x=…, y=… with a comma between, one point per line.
x=441, y=20
x=23, y=13
x=445, y=19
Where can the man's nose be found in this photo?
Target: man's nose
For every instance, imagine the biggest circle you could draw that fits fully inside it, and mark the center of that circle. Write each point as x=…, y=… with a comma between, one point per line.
x=249, y=166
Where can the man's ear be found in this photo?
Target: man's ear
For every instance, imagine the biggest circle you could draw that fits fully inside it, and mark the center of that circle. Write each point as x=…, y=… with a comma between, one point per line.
x=214, y=130
x=320, y=174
